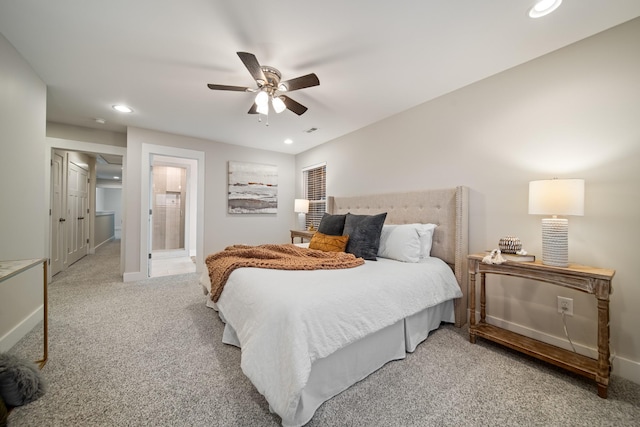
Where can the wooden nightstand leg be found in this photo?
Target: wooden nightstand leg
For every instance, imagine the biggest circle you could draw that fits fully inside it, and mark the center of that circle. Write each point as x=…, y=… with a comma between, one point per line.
x=483, y=298
x=604, y=366
x=472, y=304
x=602, y=391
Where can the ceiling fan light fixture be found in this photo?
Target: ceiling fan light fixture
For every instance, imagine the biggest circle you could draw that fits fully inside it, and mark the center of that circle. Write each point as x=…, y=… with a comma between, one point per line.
x=269, y=84
x=263, y=109
x=543, y=7
x=262, y=99
x=278, y=105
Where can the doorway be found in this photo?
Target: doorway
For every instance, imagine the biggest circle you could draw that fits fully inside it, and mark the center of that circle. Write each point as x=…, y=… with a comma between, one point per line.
x=195, y=232
x=85, y=155
x=69, y=214
x=169, y=207
x=172, y=216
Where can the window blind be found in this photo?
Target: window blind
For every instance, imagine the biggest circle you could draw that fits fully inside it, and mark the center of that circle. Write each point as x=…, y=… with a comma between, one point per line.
x=315, y=190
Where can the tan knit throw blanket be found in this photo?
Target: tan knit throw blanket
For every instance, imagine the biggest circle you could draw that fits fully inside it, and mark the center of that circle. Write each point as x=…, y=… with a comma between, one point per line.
x=278, y=257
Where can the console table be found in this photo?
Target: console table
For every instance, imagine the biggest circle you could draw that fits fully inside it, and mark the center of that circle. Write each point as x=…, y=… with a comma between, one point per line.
x=595, y=281
x=302, y=234
x=10, y=269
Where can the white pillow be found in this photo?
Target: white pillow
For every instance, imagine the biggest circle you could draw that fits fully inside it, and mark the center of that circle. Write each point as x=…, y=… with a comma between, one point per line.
x=399, y=242
x=406, y=242
x=426, y=239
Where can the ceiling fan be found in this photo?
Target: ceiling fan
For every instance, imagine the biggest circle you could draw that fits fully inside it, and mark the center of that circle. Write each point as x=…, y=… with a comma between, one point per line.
x=270, y=87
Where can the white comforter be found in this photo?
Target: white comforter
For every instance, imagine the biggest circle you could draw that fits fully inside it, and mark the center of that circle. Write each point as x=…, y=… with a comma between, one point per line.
x=285, y=320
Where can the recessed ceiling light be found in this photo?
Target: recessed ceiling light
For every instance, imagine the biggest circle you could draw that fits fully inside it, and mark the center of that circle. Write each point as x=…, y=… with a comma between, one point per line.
x=122, y=108
x=543, y=7
x=288, y=141
x=101, y=121
x=116, y=177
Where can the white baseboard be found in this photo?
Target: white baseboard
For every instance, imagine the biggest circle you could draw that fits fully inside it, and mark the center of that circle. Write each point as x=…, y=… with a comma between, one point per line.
x=105, y=242
x=625, y=368
x=12, y=337
x=134, y=276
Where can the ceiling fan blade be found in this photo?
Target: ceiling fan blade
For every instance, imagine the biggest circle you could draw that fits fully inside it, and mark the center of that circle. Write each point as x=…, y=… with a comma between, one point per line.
x=249, y=60
x=294, y=106
x=301, y=82
x=225, y=87
x=253, y=109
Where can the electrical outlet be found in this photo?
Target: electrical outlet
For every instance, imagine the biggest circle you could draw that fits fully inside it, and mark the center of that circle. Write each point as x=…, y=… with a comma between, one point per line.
x=565, y=305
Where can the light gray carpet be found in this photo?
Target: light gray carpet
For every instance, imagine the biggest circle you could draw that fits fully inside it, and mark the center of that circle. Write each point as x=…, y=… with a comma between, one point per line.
x=150, y=353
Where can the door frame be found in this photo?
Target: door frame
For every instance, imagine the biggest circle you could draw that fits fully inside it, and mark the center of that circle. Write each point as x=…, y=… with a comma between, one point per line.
x=148, y=151
x=86, y=147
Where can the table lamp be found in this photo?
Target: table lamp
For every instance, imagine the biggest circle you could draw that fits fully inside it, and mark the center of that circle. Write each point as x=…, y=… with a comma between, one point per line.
x=556, y=197
x=301, y=207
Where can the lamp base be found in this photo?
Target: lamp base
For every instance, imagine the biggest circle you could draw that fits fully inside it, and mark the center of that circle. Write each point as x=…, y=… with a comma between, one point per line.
x=301, y=221
x=555, y=242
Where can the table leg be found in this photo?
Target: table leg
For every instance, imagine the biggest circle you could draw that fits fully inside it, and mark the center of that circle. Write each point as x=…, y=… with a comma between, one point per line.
x=604, y=367
x=472, y=303
x=45, y=355
x=483, y=299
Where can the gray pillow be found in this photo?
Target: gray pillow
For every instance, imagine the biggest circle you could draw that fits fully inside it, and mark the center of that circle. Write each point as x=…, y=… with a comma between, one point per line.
x=364, y=234
x=20, y=381
x=331, y=225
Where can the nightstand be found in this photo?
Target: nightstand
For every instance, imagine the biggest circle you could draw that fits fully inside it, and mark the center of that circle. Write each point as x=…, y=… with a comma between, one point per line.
x=302, y=234
x=595, y=281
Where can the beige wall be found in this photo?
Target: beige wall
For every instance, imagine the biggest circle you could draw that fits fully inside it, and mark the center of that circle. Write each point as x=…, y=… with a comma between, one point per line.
x=23, y=100
x=572, y=113
x=79, y=133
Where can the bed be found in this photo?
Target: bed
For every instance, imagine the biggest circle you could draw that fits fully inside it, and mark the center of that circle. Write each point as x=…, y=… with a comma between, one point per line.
x=308, y=335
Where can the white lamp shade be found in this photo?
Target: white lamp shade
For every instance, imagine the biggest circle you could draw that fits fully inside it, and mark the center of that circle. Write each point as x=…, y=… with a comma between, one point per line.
x=556, y=197
x=278, y=105
x=262, y=98
x=263, y=109
x=301, y=206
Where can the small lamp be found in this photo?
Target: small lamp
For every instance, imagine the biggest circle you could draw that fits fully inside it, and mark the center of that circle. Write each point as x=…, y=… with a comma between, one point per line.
x=301, y=207
x=556, y=197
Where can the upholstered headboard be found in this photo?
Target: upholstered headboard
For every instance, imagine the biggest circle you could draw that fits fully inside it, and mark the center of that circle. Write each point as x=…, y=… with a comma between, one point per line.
x=447, y=208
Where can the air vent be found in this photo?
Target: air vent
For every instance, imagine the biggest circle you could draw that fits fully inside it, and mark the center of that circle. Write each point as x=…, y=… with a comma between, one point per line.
x=311, y=130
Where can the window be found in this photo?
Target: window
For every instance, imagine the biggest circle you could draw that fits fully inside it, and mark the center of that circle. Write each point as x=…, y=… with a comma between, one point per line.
x=314, y=181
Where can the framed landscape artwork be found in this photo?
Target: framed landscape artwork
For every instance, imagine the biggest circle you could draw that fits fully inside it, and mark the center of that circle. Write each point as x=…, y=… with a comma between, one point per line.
x=253, y=188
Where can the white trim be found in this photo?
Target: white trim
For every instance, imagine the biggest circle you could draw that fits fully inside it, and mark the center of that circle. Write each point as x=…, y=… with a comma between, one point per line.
x=317, y=165
x=626, y=368
x=622, y=367
x=134, y=276
x=164, y=150
x=110, y=239
x=12, y=337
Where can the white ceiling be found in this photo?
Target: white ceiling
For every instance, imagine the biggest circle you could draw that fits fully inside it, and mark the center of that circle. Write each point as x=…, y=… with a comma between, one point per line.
x=374, y=59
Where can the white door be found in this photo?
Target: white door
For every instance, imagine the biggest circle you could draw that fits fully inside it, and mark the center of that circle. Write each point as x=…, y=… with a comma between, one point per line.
x=150, y=223
x=58, y=219
x=77, y=213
